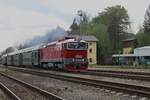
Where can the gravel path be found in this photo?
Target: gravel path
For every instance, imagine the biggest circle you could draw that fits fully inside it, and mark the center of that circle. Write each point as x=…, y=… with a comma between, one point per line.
x=21, y=91
x=72, y=91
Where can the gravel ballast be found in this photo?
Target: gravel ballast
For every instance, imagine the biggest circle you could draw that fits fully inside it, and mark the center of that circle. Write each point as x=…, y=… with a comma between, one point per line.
x=102, y=78
x=21, y=91
x=3, y=96
x=69, y=90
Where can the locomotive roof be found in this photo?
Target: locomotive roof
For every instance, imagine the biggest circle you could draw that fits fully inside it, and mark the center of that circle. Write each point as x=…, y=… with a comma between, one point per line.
x=64, y=41
x=89, y=38
x=51, y=43
x=72, y=40
x=68, y=40
x=32, y=48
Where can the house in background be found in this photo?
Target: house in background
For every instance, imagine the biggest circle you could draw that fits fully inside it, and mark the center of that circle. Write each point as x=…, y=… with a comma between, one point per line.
x=92, y=46
x=127, y=57
x=132, y=55
x=129, y=45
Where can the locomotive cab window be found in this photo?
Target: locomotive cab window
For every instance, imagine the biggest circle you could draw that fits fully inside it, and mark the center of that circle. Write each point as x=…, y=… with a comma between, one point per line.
x=77, y=45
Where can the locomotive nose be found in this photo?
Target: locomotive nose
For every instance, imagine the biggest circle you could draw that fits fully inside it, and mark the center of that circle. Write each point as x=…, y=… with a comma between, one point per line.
x=77, y=65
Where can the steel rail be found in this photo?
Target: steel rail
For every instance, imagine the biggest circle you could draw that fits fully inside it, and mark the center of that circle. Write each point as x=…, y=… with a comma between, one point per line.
x=124, y=72
x=123, y=87
x=118, y=75
x=9, y=92
x=47, y=94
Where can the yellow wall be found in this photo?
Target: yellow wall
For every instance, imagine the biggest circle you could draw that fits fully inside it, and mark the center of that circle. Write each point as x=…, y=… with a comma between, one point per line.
x=127, y=50
x=92, y=55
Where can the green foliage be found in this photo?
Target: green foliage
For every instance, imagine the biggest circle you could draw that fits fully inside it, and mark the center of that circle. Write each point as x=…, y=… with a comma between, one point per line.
x=74, y=27
x=143, y=36
x=84, y=22
x=109, y=27
x=116, y=20
x=80, y=25
x=114, y=13
x=143, y=39
x=103, y=45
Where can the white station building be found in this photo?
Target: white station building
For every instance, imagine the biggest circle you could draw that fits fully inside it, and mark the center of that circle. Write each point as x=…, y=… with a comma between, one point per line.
x=141, y=55
x=142, y=51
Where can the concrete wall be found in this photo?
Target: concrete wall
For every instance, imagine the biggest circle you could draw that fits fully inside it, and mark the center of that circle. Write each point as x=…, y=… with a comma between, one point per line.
x=127, y=50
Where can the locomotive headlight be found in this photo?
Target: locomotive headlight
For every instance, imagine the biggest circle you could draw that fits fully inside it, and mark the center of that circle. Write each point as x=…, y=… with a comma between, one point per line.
x=73, y=60
x=82, y=59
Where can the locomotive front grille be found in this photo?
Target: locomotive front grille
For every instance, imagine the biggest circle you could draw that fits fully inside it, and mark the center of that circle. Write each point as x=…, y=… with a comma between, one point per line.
x=78, y=60
x=74, y=60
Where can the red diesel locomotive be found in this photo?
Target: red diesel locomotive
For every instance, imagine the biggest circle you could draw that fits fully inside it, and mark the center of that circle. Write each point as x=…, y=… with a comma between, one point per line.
x=70, y=55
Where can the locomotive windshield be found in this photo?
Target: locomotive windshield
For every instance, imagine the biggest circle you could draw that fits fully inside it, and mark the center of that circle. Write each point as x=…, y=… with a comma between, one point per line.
x=77, y=45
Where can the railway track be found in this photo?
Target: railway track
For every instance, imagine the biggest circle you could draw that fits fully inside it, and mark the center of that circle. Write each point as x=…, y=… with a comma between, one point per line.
x=124, y=72
x=20, y=90
x=123, y=87
x=119, y=74
x=8, y=92
x=143, y=76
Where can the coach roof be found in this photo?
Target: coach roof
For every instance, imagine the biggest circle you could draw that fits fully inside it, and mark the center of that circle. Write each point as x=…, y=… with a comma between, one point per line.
x=32, y=48
x=26, y=49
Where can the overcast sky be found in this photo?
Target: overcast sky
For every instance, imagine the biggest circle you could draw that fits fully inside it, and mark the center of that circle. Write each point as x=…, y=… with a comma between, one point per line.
x=23, y=19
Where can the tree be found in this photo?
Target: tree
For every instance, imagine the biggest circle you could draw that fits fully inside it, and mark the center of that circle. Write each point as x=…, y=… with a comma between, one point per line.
x=116, y=20
x=146, y=24
x=74, y=27
x=143, y=36
x=110, y=27
x=143, y=39
x=80, y=23
x=103, y=45
x=140, y=29
x=84, y=22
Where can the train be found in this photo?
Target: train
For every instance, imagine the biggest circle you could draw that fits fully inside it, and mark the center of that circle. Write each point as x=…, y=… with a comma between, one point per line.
x=66, y=54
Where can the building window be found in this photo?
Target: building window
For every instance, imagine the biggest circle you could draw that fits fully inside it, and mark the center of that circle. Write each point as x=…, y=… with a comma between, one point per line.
x=90, y=59
x=90, y=50
x=90, y=43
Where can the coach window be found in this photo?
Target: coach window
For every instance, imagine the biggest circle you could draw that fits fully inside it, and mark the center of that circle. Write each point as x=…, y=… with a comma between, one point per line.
x=90, y=60
x=90, y=50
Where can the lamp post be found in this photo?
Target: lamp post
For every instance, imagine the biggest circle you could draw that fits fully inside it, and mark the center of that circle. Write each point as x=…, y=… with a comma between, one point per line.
x=80, y=14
